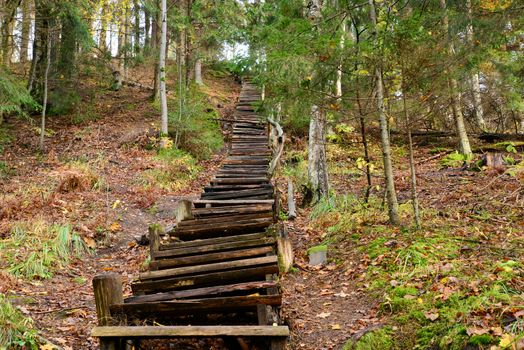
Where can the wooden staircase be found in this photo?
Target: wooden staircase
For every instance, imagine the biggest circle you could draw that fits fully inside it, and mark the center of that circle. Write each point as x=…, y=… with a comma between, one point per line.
x=217, y=274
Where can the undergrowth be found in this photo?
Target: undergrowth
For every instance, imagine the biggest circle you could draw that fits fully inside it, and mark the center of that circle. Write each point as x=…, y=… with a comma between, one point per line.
x=194, y=126
x=16, y=330
x=175, y=170
x=436, y=289
x=36, y=250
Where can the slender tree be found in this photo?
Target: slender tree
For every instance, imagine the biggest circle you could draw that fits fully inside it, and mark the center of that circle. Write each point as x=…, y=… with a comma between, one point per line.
x=162, y=68
x=391, y=193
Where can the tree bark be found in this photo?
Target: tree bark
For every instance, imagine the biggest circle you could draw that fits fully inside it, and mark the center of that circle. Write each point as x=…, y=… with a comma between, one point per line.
x=6, y=29
x=147, y=28
x=198, y=71
x=104, y=14
x=136, y=44
x=317, y=160
x=162, y=68
x=46, y=81
x=156, y=39
x=474, y=78
x=338, y=82
x=26, y=28
x=455, y=95
x=391, y=193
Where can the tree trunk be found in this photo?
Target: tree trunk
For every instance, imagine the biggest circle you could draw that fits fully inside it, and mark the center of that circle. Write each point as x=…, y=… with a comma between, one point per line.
x=155, y=30
x=162, y=68
x=156, y=42
x=465, y=148
x=338, y=82
x=188, y=45
x=391, y=193
x=147, y=28
x=46, y=80
x=474, y=78
x=317, y=161
x=26, y=28
x=8, y=13
x=198, y=71
x=136, y=44
x=104, y=14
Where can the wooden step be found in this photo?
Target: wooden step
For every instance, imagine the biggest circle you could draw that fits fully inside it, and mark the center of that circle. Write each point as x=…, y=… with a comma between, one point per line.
x=192, y=306
x=209, y=279
x=212, y=241
x=209, y=258
x=190, y=331
x=226, y=228
x=248, y=287
x=199, y=269
x=185, y=251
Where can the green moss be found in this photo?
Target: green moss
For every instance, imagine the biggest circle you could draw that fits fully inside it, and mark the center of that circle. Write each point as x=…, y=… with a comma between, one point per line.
x=317, y=249
x=379, y=339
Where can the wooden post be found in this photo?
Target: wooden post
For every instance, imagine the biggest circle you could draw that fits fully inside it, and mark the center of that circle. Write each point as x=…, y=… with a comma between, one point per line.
x=108, y=291
x=291, y=213
x=154, y=239
x=184, y=210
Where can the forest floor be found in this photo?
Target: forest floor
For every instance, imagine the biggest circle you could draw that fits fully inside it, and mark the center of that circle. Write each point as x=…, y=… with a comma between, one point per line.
x=454, y=284
x=98, y=182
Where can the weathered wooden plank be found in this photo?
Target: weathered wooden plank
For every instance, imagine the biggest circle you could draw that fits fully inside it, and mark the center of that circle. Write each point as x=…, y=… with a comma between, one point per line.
x=220, y=220
x=230, y=210
x=234, y=201
x=214, y=247
x=190, y=331
x=198, y=269
x=268, y=193
x=207, y=291
x=240, y=180
x=209, y=258
x=191, y=306
x=214, y=230
x=211, y=241
x=223, y=277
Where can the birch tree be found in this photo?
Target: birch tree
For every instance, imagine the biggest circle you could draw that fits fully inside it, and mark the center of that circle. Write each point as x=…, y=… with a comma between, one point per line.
x=317, y=159
x=162, y=70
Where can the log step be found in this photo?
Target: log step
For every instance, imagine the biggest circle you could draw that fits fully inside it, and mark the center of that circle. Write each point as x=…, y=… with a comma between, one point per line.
x=190, y=331
x=209, y=279
x=197, y=269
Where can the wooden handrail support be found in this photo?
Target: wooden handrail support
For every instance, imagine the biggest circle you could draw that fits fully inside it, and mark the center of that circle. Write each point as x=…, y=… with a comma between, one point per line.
x=108, y=291
x=278, y=139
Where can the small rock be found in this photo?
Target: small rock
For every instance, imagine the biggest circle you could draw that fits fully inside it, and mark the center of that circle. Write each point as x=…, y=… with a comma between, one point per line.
x=317, y=255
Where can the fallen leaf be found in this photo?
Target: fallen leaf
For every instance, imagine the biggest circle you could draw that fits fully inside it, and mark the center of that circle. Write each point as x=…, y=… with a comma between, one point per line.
x=115, y=227
x=324, y=314
x=432, y=316
x=47, y=347
x=90, y=243
x=336, y=327
x=506, y=340
x=341, y=295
